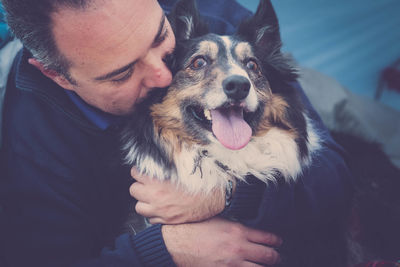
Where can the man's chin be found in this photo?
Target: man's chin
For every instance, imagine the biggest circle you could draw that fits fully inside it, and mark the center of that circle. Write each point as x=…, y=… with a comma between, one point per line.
x=146, y=100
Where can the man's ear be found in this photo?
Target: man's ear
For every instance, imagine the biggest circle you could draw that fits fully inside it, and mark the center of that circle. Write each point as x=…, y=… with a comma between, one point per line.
x=263, y=28
x=52, y=74
x=185, y=20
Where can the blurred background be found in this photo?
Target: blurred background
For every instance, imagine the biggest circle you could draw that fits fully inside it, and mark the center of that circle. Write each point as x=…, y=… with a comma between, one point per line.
x=353, y=41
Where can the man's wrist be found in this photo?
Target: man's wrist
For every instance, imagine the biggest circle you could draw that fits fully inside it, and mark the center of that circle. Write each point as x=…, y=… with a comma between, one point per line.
x=150, y=247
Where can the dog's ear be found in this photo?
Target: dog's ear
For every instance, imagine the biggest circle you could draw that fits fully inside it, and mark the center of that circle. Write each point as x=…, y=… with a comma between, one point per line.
x=263, y=28
x=185, y=20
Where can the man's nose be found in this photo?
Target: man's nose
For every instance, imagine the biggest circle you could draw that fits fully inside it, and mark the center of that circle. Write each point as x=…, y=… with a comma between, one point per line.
x=157, y=74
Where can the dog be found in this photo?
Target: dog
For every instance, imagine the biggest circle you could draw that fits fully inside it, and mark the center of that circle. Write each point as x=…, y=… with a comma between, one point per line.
x=230, y=111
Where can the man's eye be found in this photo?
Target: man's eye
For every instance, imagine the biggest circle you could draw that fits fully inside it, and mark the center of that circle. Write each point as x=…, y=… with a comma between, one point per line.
x=198, y=63
x=120, y=78
x=160, y=39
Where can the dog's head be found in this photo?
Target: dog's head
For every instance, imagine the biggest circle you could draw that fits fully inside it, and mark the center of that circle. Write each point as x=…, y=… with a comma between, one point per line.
x=226, y=88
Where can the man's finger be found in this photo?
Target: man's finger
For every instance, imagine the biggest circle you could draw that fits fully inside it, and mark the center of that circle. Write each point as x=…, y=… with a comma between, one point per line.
x=144, y=209
x=261, y=254
x=138, y=191
x=156, y=220
x=136, y=175
x=261, y=237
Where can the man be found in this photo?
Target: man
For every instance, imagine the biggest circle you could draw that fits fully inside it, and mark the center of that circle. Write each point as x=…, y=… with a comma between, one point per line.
x=84, y=67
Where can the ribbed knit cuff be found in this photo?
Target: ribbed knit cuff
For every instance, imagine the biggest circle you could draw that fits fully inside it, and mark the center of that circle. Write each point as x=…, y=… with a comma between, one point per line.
x=246, y=199
x=149, y=245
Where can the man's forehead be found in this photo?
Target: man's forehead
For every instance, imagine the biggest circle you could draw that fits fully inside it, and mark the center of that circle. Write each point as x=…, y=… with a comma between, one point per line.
x=116, y=32
x=105, y=19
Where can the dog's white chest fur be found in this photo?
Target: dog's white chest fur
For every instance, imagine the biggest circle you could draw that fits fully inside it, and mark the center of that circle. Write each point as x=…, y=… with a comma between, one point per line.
x=203, y=168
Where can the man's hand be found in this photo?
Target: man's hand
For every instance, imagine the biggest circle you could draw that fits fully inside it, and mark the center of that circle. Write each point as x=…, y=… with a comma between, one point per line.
x=219, y=242
x=166, y=203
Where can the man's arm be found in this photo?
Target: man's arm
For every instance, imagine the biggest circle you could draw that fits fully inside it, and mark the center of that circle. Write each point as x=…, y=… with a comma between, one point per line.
x=218, y=242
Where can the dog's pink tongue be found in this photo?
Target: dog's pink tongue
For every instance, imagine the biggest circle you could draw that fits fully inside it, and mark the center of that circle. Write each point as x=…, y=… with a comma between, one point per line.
x=230, y=128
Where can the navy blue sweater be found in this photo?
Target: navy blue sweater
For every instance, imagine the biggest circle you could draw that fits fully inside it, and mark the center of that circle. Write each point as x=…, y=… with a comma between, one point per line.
x=65, y=194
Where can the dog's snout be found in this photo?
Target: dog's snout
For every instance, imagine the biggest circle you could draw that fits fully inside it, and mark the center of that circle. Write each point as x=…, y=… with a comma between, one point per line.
x=236, y=87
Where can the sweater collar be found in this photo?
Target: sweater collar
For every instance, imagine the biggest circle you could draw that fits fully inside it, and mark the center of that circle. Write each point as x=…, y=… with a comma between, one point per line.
x=98, y=117
x=29, y=78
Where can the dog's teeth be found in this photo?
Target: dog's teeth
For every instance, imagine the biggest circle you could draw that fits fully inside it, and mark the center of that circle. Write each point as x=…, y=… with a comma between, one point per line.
x=207, y=114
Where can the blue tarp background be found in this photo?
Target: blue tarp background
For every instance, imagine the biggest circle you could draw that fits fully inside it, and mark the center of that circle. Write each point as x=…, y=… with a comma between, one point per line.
x=4, y=33
x=349, y=40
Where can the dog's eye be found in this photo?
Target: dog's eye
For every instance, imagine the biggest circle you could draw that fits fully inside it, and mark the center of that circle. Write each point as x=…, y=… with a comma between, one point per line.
x=252, y=65
x=198, y=63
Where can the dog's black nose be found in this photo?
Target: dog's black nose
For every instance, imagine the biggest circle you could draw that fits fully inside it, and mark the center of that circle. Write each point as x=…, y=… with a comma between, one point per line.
x=236, y=87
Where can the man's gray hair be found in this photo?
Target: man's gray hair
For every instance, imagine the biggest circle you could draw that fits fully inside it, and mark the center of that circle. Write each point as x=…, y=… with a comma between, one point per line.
x=30, y=21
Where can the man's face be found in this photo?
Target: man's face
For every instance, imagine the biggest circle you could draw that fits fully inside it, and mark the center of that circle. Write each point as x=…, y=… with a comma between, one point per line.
x=116, y=48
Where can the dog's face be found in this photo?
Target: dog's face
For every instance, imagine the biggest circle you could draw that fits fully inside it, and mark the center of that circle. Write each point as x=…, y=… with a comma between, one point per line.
x=219, y=89
x=222, y=88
